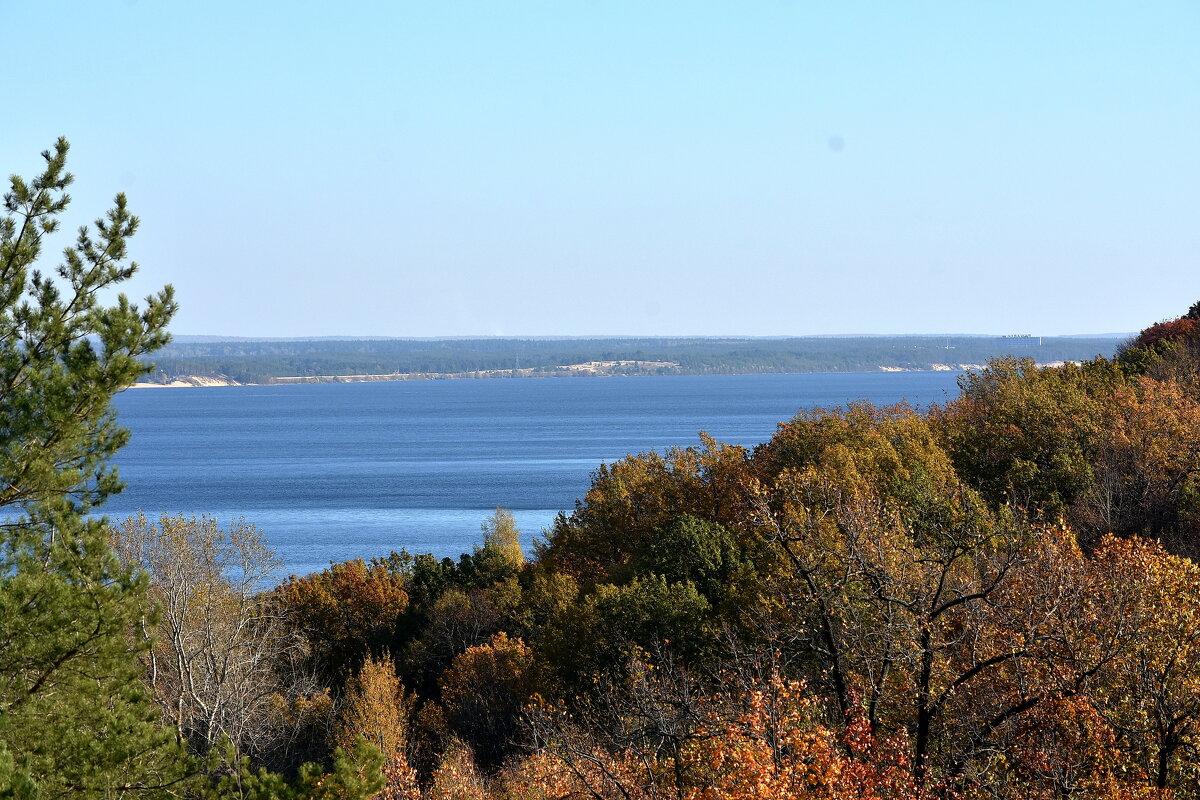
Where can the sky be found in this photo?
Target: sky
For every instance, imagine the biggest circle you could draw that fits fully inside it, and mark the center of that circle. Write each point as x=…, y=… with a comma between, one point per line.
x=628, y=168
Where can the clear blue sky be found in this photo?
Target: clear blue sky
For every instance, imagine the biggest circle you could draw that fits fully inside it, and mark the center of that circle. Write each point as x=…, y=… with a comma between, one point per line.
x=579, y=168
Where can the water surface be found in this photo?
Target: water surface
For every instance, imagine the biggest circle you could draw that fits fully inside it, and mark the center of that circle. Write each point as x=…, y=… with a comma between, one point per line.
x=336, y=471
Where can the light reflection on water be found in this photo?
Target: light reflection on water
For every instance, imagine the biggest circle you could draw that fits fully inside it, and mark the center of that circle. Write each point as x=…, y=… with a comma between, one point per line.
x=337, y=471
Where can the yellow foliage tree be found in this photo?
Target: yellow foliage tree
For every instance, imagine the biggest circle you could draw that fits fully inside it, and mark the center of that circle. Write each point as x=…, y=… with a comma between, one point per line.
x=376, y=707
x=457, y=777
x=502, y=538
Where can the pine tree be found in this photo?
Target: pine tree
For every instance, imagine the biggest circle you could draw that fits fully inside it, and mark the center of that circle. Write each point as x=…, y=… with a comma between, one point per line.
x=74, y=715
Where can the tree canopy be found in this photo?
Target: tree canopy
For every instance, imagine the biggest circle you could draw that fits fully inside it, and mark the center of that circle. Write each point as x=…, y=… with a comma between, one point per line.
x=78, y=715
x=74, y=716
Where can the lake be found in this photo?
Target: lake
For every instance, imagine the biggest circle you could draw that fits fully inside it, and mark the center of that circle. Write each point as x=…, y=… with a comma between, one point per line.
x=336, y=471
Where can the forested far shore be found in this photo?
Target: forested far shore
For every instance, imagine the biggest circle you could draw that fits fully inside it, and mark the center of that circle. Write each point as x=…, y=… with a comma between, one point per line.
x=327, y=360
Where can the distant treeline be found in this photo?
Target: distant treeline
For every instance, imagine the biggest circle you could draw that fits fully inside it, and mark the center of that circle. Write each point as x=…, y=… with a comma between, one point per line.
x=258, y=361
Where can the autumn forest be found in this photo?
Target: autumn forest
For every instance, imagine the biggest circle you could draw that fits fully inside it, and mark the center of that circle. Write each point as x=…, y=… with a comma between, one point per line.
x=995, y=598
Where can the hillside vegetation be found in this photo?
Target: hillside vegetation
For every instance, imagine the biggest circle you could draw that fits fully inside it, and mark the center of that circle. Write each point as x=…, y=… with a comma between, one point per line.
x=997, y=598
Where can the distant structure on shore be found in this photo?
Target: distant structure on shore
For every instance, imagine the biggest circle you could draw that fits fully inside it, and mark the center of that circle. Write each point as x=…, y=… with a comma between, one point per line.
x=1020, y=340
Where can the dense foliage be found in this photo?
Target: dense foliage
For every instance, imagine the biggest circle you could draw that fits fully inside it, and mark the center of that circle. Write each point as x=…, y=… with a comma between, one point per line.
x=993, y=598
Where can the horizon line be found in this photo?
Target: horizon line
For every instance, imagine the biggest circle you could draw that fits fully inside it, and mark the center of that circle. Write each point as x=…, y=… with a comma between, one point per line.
x=584, y=337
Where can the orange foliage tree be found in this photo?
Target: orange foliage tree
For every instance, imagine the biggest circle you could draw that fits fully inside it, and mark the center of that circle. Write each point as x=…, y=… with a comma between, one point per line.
x=775, y=749
x=483, y=692
x=346, y=611
x=926, y=611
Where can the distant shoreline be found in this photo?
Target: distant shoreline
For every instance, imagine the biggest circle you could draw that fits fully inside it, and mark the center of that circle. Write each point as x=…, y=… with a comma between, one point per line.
x=588, y=370
x=188, y=382
x=268, y=363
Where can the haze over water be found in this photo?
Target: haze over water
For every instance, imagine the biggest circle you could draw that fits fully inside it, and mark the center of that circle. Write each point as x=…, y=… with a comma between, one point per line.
x=338, y=471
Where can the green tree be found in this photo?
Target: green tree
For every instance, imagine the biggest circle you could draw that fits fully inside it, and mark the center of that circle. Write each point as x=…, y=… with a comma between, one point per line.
x=613, y=623
x=355, y=775
x=632, y=500
x=74, y=715
x=690, y=549
x=1028, y=435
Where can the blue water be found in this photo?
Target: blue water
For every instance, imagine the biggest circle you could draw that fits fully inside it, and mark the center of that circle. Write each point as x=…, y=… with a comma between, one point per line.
x=337, y=471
